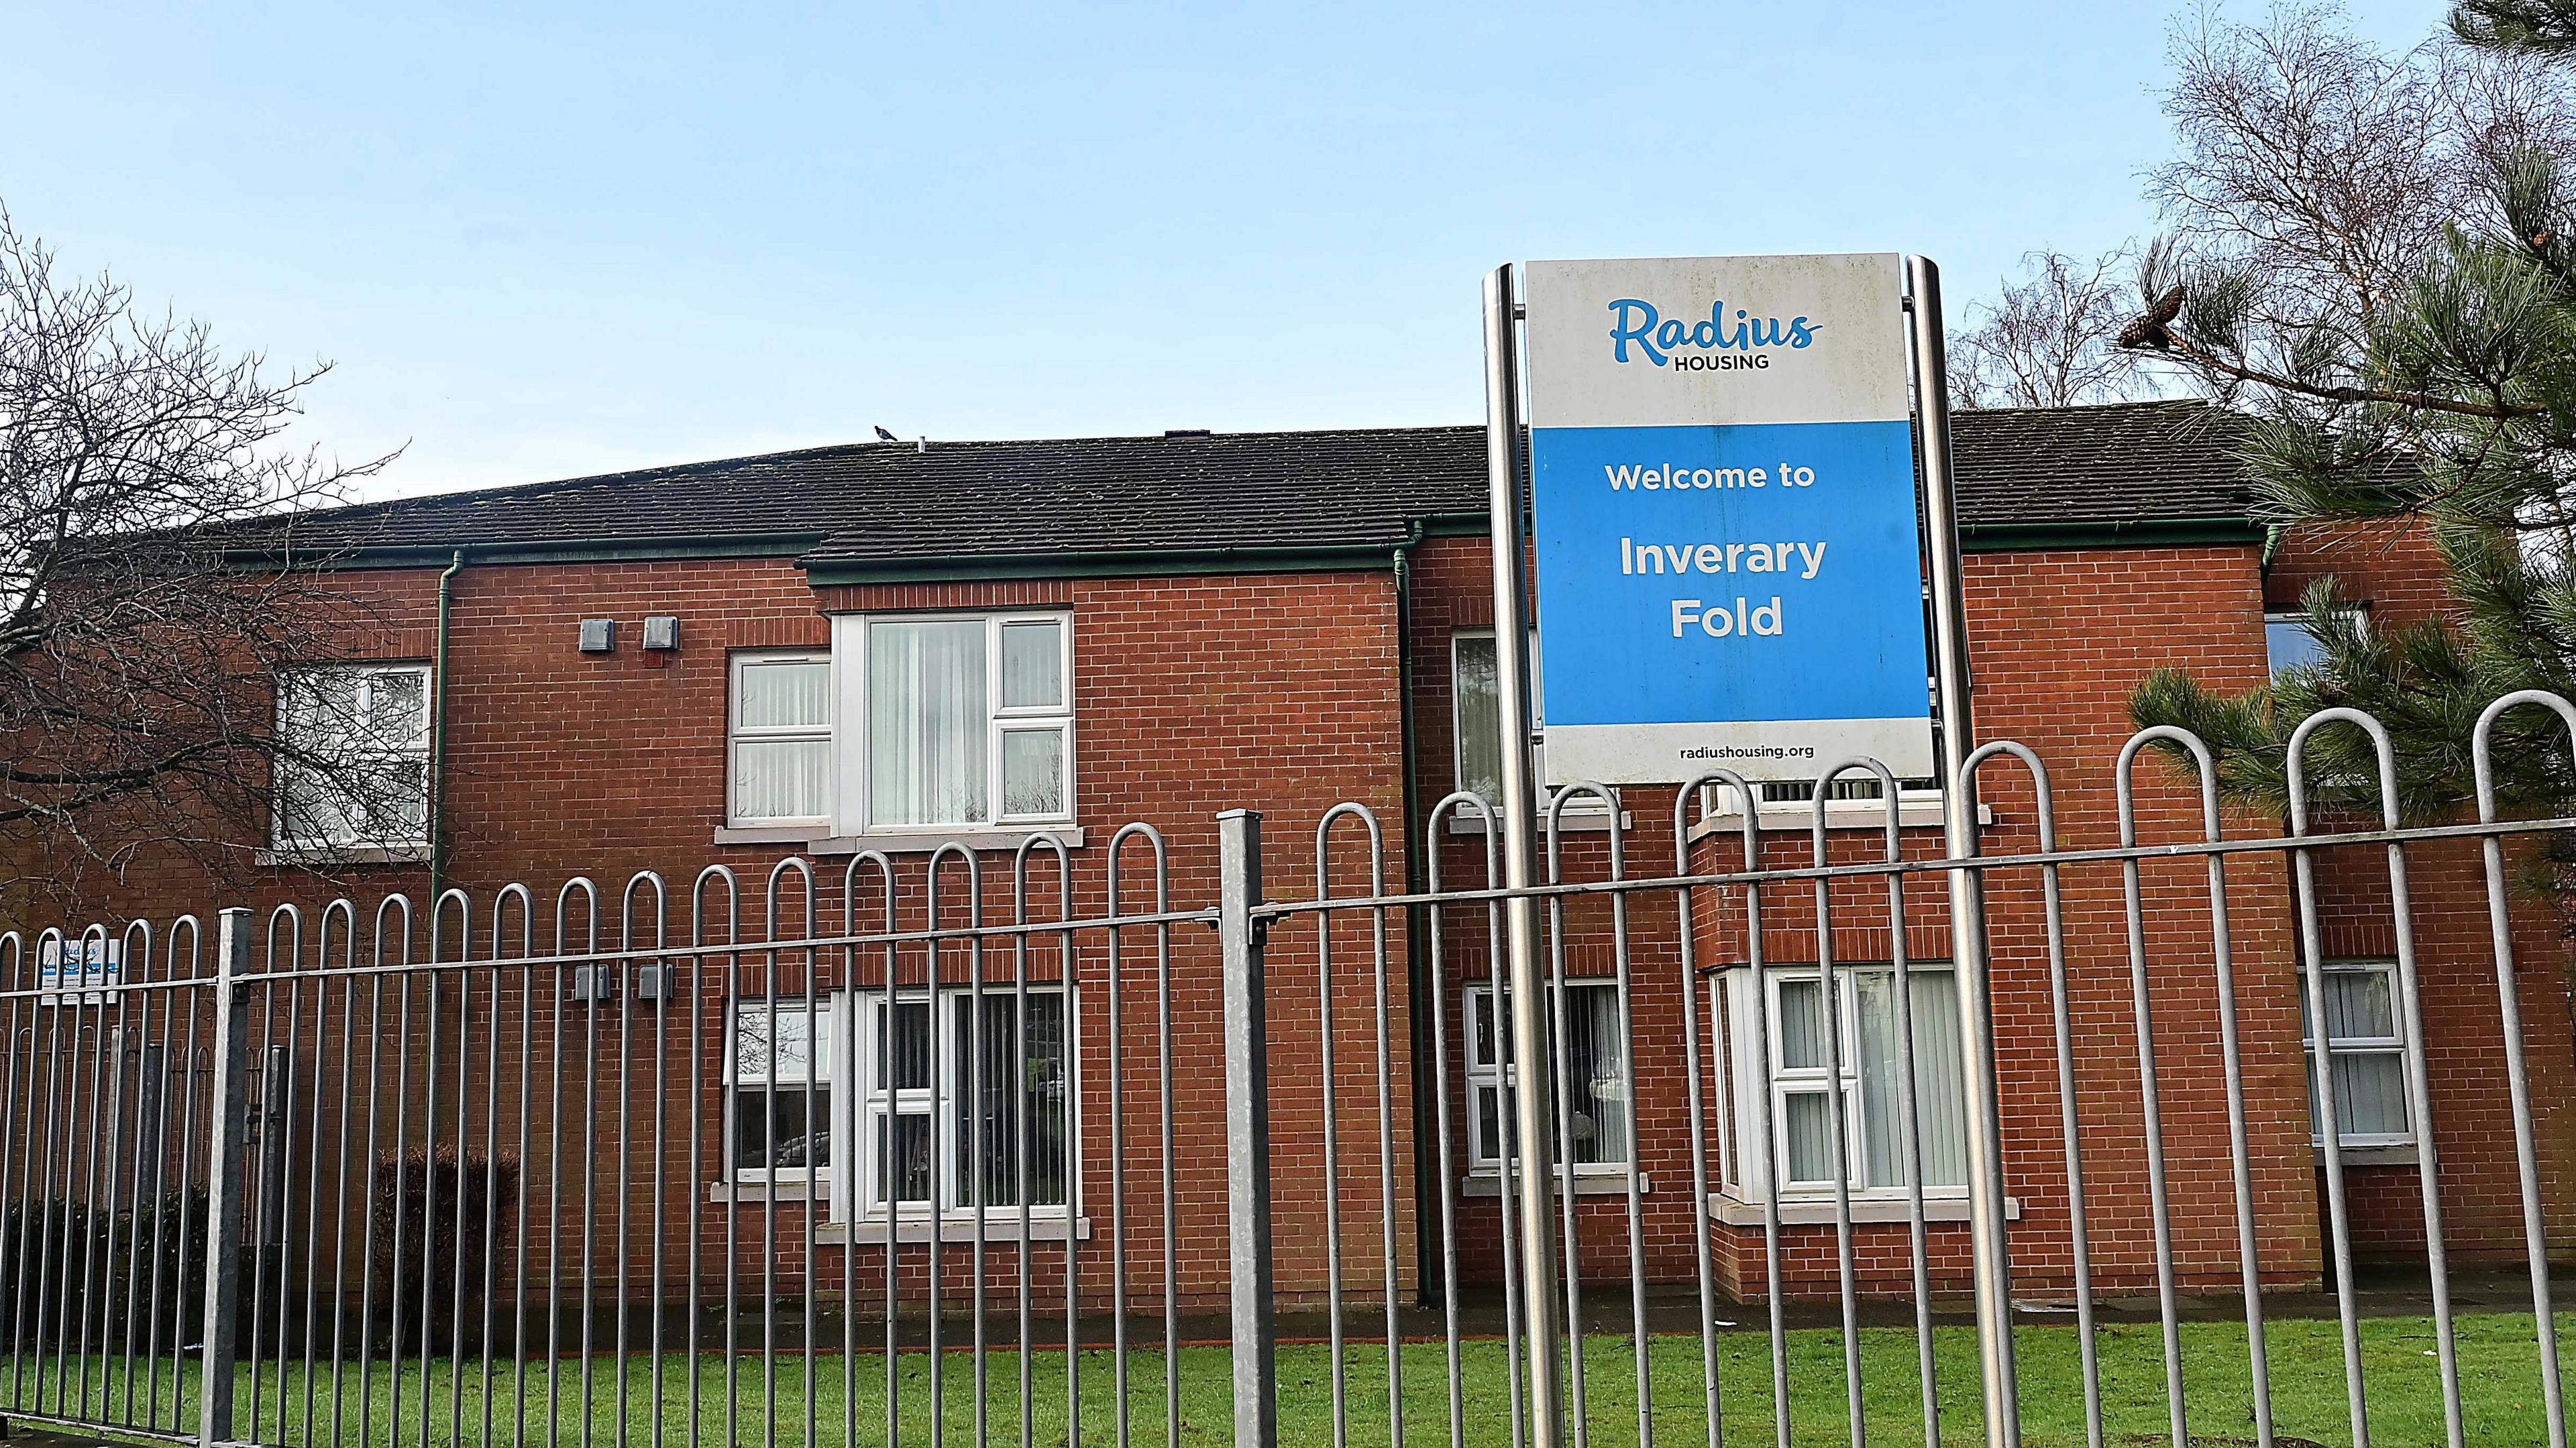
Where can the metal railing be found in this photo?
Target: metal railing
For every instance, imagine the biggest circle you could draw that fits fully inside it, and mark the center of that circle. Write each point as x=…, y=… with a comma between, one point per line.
x=892, y=1151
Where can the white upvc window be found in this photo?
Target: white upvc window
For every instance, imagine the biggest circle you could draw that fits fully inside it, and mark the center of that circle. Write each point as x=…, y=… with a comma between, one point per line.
x=1476, y=722
x=1801, y=1081
x=2366, y=1052
x=923, y=1098
x=1855, y=787
x=778, y=738
x=363, y=779
x=948, y=721
x=1475, y=713
x=779, y=1094
x=1593, y=1131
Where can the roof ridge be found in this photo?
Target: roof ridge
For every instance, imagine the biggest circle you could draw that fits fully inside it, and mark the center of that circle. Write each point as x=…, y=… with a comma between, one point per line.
x=1300, y=486
x=2135, y=404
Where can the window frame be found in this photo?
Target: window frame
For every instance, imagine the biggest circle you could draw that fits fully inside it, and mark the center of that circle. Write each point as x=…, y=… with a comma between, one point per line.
x=1729, y=1038
x=1580, y=806
x=829, y=1025
x=1477, y=998
x=2337, y=1046
x=867, y=1102
x=1786, y=1081
x=851, y=805
x=736, y=733
x=419, y=753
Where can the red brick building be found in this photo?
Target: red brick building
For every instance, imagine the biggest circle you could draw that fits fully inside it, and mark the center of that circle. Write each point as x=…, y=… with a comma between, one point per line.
x=891, y=647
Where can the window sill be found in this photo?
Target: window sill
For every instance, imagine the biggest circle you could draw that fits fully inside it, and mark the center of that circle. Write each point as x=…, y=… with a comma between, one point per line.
x=1575, y=822
x=769, y=834
x=1000, y=1224
x=752, y=1194
x=2386, y=1154
x=1586, y=1184
x=957, y=1230
x=906, y=842
x=1851, y=815
x=345, y=855
x=1806, y=1211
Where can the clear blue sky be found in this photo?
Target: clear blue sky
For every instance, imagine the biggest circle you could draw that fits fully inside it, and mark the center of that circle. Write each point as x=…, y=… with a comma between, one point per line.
x=640, y=233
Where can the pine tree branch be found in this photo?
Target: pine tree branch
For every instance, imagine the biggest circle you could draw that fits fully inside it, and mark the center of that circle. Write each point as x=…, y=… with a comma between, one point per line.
x=2159, y=340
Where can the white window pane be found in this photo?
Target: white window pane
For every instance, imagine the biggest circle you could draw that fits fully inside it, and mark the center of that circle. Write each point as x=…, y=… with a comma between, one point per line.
x=380, y=803
x=786, y=694
x=782, y=1051
x=2289, y=644
x=1489, y=1123
x=2370, y=1095
x=926, y=723
x=782, y=1128
x=398, y=708
x=903, y=1054
x=1021, y=1089
x=1940, y=1088
x=1596, y=1066
x=310, y=810
x=1032, y=665
x=1807, y=1134
x=1802, y=1025
x=1033, y=772
x=781, y=779
x=397, y=803
x=1480, y=759
x=2358, y=1004
x=906, y=1139
x=323, y=708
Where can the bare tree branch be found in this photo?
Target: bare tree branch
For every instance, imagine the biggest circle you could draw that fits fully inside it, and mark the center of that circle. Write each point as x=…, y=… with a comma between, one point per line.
x=139, y=655
x=2050, y=340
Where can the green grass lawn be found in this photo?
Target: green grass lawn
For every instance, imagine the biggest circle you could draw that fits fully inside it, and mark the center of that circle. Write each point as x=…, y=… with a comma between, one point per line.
x=2499, y=1380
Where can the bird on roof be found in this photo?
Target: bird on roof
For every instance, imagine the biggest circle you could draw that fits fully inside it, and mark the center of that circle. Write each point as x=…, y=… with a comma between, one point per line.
x=885, y=436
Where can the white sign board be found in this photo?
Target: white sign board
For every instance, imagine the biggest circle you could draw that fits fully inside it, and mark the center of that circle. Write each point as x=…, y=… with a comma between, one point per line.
x=1729, y=551
x=78, y=972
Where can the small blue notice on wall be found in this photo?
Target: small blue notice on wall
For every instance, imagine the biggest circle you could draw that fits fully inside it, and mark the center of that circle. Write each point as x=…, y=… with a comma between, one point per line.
x=1728, y=548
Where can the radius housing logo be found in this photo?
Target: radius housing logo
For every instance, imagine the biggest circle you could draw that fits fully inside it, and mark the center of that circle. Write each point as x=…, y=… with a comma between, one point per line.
x=1720, y=345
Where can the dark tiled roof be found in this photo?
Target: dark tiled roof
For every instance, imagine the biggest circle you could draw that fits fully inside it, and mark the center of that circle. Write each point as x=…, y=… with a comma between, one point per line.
x=1350, y=488
x=2167, y=461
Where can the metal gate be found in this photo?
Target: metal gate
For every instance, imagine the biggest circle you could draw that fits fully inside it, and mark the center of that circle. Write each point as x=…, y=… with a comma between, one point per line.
x=1116, y=1143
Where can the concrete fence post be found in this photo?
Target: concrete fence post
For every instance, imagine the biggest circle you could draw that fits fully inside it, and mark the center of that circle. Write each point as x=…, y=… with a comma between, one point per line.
x=1247, y=1131
x=224, y=1177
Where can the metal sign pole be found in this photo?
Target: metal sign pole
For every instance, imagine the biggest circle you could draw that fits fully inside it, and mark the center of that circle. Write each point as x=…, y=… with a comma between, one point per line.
x=1536, y=1202
x=1967, y=887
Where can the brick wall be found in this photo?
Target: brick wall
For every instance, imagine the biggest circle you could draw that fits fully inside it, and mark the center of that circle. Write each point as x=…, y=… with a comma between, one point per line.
x=1196, y=695
x=1193, y=695
x=2395, y=575
x=2059, y=638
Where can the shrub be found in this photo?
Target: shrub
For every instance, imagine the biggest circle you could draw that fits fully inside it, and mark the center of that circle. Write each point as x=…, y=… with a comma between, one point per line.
x=71, y=1272
x=454, y=1206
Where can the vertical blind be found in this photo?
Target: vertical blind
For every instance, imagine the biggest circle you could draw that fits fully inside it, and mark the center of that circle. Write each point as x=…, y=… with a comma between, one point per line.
x=927, y=716
x=1871, y=1081
x=2366, y=1053
x=1940, y=1089
x=783, y=740
x=1480, y=764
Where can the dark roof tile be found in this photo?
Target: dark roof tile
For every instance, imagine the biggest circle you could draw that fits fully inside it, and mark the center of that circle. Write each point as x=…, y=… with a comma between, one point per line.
x=1359, y=487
